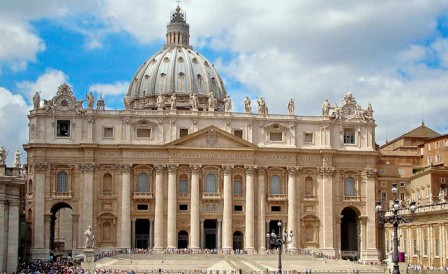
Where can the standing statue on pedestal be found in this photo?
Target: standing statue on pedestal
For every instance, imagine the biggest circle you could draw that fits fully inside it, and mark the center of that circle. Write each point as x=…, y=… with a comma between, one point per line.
x=211, y=102
x=173, y=101
x=3, y=154
x=90, y=100
x=291, y=107
x=90, y=238
x=194, y=101
x=17, y=159
x=247, y=106
x=227, y=103
x=126, y=102
x=326, y=108
x=36, y=100
x=262, y=109
x=160, y=102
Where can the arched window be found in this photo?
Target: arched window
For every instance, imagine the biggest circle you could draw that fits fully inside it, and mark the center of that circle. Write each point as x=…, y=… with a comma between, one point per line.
x=143, y=184
x=237, y=185
x=30, y=186
x=62, y=182
x=275, y=185
x=309, y=187
x=210, y=183
x=350, y=189
x=107, y=183
x=183, y=184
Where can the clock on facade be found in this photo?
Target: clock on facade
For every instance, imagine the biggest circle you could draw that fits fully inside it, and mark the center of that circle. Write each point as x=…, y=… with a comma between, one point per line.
x=349, y=111
x=64, y=102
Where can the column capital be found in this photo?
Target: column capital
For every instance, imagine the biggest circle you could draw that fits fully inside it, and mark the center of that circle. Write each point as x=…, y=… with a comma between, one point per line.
x=262, y=170
x=370, y=173
x=124, y=168
x=227, y=169
x=250, y=169
x=40, y=167
x=195, y=168
x=326, y=171
x=172, y=168
x=292, y=170
x=159, y=168
x=87, y=167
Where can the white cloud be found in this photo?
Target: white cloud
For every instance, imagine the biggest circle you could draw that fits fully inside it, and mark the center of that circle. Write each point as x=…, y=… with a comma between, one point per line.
x=13, y=117
x=118, y=88
x=46, y=83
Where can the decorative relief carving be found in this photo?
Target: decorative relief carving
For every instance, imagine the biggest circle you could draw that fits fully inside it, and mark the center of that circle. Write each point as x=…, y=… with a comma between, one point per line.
x=326, y=171
x=172, y=168
x=90, y=119
x=159, y=168
x=40, y=167
x=250, y=169
x=309, y=170
x=33, y=132
x=124, y=168
x=293, y=170
x=370, y=173
x=195, y=168
x=208, y=207
x=227, y=169
x=88, y=153
x=87, y=167
x=211, y=138
x=126, y=120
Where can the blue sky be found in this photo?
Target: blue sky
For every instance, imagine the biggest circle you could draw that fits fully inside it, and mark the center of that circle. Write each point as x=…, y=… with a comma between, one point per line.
x=392, y=53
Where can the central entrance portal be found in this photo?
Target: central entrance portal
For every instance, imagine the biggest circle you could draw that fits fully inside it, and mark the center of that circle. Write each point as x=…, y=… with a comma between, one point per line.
x=210, y=232
x=273, y=227
x=142, y=233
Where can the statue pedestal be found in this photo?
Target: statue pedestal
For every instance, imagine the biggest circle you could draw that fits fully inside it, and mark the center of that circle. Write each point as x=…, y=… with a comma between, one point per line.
x=89, y=259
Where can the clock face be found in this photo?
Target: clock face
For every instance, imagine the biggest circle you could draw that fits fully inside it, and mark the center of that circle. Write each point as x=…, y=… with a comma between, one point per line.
x=64, y=102
x=349, y=111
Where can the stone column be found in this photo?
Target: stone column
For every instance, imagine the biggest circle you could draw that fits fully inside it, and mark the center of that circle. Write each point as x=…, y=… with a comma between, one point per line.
x=132, y=233
x=250, y=214
x=172, y=208
x=202, y=234
x=87, y=170
x=75, y=231
x=158, y=221
x=261, y=209
x=125, y=206
x=218, y=234
x=327, y=213
x=268, y=246
x=362, y=237
x=3, y=243
x=371, y=252
x=227, y=209
x=194, y=207
x=47, y=220
x=13, y=235
x=38, y=251
x=292, y=198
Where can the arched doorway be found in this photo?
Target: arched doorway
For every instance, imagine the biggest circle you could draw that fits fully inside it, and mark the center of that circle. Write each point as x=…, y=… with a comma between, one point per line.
x=61, y=225
x=349, y=234
x=142, y=233
x=238, y=240
x=182, y=239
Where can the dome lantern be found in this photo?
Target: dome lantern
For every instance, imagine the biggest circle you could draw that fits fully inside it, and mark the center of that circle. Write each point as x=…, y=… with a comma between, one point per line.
x=178, y=31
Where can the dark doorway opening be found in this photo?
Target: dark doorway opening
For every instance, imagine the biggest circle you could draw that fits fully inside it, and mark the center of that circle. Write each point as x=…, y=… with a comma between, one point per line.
x=349, y=234
x=182, y=239
x=273, y=227
x=238, y=240
x=142, y=233
x=61, y=230
x=210, y=233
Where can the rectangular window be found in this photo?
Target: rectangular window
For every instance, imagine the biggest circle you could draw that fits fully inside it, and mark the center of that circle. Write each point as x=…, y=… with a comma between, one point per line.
x=442, y=181
x=437, y=145
x=383, y=196
x=402, y=196
x=437, y=158
x=429, y=160
x=108, y=132
x=237, y=188
x=401, y=172
x=63, y=128
x=446, y=143
x=308, y=138
x=183, y=132
x=414, y=243
x=183, y=207
x=429, y=147
x=349, y=136
x=276, y=136
x=276, y=208
x=142, y=207
x=238, y=133
x=183, y=187
x=382, y=172
x=402, y=184
x=143, y=133
x=425, y=247
x=238, y=208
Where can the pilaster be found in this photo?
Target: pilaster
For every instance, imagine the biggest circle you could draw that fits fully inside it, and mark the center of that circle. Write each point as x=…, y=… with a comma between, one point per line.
x=327, y=214
x=250, y=214
x=261, y=209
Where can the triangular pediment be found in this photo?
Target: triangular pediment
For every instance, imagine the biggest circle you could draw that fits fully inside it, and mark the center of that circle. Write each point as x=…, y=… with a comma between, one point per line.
x=211, y=137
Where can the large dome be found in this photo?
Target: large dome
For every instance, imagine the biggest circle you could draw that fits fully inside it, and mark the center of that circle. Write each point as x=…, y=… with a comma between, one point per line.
x=175, y=69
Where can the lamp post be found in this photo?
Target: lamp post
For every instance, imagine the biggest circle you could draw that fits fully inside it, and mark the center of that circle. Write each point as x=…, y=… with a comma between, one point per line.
x=279, y=239
x=395, y=219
